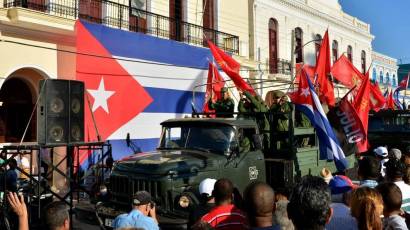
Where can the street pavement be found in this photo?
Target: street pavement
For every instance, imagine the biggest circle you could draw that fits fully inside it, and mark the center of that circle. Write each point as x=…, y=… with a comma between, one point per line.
x=78, y=225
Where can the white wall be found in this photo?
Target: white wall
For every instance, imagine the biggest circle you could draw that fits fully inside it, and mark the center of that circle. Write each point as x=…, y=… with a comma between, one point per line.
x=343, y=28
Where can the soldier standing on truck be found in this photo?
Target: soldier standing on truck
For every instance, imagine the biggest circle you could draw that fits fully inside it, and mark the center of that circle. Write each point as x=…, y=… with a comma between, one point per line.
x=223, y=107
x=259, y=109
x=244, y=106
x=280, y=109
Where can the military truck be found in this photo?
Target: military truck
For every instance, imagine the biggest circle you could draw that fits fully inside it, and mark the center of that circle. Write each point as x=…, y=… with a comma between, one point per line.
x=192, y=149
x=389, y=128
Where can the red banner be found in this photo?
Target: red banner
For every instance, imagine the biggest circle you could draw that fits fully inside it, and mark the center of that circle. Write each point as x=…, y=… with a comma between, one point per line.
x=322, y=71
x=215, y=83
x=230, y=67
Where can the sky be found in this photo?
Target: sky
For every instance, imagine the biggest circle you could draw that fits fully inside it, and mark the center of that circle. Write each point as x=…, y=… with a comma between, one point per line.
x=389, y=23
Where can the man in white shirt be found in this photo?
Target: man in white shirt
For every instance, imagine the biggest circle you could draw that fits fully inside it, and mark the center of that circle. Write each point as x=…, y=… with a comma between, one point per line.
x=394, y=173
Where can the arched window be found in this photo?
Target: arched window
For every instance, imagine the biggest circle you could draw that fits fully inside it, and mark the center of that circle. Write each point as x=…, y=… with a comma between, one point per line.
x=387, y=78
x=381, y=77
x=318, y=42
x=299, y=43
x=374, y=75
x=394, y=80
x=335, y=50
x=273, y=46
x=363, y=58
x=350, y=53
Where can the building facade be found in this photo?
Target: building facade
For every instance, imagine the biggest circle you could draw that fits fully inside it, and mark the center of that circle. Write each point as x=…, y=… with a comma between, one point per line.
x=39, y=35
x=384, y=70
x=39, y=41
x=274, y=21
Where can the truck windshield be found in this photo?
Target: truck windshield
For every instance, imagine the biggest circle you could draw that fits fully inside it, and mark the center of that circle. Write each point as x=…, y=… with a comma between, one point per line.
x=389, y=122
x=209, y=139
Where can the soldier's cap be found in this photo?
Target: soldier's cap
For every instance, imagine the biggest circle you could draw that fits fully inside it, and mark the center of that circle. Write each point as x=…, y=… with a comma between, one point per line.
x=207, y=186
x=381, y=151
x=278, y=94
x=224, y=89
x=141, y=198
x=395, y=153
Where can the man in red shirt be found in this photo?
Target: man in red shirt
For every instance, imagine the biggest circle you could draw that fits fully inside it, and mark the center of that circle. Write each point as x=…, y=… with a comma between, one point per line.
x=225, y=215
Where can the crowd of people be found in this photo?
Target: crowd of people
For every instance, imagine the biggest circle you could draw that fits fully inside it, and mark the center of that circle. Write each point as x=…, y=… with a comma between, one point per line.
x=380, y=199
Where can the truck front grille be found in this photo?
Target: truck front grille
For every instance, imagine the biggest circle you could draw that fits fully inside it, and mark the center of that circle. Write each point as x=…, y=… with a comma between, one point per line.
x=122, y=188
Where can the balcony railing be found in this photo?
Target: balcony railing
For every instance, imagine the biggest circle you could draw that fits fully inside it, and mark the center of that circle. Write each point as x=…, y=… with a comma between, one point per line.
x=281, y=66
x=128, y=18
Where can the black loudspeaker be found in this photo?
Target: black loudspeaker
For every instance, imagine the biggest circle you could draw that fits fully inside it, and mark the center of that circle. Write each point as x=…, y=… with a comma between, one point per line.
x=60, y=112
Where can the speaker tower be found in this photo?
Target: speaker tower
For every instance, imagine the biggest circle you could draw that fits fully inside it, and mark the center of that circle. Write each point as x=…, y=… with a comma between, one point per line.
x=60, y=112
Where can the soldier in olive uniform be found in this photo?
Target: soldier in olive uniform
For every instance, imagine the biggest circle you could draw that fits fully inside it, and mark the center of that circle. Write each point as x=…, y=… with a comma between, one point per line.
x=259, y=109
x=280, y=110
x=244, y=106
x=223, y=107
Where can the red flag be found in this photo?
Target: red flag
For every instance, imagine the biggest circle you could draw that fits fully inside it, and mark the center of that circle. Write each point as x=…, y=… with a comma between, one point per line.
x=230, y=67
x=224, y=59
x=302, y=94
x=361, y=104
x=345, y=72
x=214, y=85
x=377, y=100
x=351, y=126
x=390, y=101
x=310, y=70
x=405, y=82
x=322, y=71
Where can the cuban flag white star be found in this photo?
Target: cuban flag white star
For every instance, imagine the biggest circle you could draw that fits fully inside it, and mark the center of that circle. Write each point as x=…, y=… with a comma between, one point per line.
x=305, y=92
x=100, y=96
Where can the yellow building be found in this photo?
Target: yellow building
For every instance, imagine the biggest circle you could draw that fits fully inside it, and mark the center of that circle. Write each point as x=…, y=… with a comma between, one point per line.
x=38, y=41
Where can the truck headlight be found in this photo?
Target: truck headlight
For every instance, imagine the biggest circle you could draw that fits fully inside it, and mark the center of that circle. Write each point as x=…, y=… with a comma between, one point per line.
x=184, y=201
x=103, y=190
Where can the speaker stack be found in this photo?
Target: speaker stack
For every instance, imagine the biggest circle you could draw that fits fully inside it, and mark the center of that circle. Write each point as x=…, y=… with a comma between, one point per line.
x=60, y=112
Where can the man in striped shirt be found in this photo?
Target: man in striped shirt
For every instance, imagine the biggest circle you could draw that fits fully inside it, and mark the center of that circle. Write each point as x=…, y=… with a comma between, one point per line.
x=225, y=215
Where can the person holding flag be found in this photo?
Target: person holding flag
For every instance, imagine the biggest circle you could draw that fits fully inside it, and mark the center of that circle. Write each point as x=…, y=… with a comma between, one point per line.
x=224, y=107
x=214, y=85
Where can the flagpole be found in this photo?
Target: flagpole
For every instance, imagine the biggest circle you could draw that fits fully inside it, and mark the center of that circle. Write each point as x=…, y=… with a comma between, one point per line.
x=405, y=91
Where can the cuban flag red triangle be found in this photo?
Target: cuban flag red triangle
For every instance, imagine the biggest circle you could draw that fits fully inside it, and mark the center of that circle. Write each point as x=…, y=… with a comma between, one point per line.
x=108, y=87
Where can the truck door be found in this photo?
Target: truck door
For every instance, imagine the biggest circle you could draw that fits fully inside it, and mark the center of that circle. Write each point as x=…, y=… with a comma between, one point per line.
x=246, y=164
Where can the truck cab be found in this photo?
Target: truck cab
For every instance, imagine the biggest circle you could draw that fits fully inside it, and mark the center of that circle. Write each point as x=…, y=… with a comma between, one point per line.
x=190, y=150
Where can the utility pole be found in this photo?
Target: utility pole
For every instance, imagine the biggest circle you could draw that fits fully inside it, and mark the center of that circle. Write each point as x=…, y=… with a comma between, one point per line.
x=292, y=58
x=292, y=69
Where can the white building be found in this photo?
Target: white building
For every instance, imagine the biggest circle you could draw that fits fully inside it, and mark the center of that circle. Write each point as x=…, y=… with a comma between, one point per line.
x=384, y=70
x=274, y=21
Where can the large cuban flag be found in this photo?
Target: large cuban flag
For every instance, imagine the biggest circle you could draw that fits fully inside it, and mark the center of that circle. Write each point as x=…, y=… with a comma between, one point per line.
x=135, y=81
x=307, y=101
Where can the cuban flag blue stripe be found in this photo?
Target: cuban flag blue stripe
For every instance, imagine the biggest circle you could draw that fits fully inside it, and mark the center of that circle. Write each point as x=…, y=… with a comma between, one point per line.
x=329, y=146
x=142, y=145
x=140, y=46
x=164, y=102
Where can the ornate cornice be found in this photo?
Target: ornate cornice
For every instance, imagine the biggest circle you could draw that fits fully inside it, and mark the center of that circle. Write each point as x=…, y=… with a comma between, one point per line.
x=308, y=10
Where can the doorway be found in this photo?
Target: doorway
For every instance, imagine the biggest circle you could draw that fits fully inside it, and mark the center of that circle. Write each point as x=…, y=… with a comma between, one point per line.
x=16, y=107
